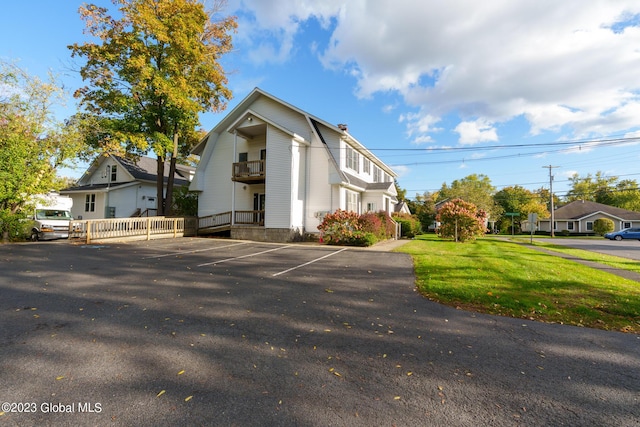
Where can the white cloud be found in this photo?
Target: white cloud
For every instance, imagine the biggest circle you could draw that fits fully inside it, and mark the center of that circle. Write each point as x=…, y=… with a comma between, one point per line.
x=419, y=126
x=401, y=170
x=566, y=66
x=476, y=131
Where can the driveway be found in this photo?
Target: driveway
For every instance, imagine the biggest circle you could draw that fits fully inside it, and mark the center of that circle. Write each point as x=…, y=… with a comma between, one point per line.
x=222, y=332
x=624, y=248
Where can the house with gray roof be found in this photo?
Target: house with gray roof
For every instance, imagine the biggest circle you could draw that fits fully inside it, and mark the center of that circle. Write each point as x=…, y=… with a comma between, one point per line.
x=120, y=187
x=579, y=216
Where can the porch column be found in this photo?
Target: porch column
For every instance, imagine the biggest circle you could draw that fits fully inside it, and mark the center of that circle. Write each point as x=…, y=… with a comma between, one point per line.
x=233, y=183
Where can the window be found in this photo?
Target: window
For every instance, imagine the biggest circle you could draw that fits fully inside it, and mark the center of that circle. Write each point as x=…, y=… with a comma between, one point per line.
x=626, y=225
x=352, y=201
x=353, y=159
x=377, y=174
x=243, y=157
x=371, y=207
x=589, y=225
x=114, y=173
x=570, y=225
x=90, y=203
x=366, y=166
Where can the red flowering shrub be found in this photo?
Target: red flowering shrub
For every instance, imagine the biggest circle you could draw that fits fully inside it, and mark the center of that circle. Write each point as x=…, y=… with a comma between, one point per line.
x=349, y=228
x=461, y=221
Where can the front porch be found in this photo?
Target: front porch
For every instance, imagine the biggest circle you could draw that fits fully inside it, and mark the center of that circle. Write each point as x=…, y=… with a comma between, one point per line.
x=223, y=221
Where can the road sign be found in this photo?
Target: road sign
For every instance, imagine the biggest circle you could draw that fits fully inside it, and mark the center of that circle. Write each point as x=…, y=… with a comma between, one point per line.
x=512, y=213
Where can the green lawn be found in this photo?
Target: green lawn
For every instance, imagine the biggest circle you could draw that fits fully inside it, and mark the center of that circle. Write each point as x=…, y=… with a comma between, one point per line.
x=505, y=278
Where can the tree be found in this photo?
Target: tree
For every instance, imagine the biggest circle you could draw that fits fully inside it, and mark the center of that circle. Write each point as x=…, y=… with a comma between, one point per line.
x=402, y=193
x=424, y=208
x=587, y=188
x=602, y=226
x=150, y=72
x=519, y=200
x=33, y=143
x=476, y=189
x=461, y=221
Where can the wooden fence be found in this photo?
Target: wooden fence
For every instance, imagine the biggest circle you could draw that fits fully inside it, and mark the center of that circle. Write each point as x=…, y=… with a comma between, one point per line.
x=146, y=228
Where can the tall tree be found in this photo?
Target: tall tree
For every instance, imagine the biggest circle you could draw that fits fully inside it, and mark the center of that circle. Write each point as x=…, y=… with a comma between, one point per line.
x=33, y=142
x=626, y=195
x=519, y=200
x=476, y=189
x=150, y=72
x=588, y=187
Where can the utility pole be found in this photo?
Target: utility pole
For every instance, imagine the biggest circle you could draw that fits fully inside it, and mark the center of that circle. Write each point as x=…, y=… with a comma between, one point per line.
x=551, y=195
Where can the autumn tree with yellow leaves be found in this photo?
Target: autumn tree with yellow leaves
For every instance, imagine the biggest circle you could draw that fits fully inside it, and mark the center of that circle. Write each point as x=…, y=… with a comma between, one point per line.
x=149, y=73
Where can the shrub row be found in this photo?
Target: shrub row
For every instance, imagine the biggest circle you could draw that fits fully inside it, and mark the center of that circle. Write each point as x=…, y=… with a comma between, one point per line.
x=349, y=228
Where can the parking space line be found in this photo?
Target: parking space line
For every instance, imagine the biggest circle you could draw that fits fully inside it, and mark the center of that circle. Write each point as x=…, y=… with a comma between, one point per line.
x=194, y=251
x=310, y=262
x=243, y=256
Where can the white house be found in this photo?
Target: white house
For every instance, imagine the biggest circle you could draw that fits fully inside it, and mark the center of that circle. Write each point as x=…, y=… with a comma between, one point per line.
x=118, y=187
x=270, y=171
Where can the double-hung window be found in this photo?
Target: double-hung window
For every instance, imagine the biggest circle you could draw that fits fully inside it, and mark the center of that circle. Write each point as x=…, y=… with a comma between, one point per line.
x=353, y=159
x=90, y=203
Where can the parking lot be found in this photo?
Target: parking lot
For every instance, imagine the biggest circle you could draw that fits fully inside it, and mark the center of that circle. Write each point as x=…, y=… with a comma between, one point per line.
x=220, y=332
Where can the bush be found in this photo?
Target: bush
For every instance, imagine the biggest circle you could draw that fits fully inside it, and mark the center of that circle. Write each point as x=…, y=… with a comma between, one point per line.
x=349, y=228
x=603, y=226
x=13, y=226
x=411, y=226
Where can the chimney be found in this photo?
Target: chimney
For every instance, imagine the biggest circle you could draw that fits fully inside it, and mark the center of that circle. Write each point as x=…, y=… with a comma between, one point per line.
x=343, y=127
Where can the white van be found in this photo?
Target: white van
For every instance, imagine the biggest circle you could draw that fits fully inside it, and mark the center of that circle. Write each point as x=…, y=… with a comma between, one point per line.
x=51, y=217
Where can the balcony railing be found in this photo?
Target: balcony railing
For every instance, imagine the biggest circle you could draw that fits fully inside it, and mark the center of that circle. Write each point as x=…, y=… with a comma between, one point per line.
x=251, y=172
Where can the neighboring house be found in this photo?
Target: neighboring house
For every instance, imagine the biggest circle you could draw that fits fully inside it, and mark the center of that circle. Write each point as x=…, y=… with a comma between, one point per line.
x=402, y=208
x=117, y=187
x=270, y=171
x=578, y=217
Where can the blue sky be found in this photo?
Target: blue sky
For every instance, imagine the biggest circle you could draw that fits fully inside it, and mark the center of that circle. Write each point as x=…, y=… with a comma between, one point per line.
x=438, y=92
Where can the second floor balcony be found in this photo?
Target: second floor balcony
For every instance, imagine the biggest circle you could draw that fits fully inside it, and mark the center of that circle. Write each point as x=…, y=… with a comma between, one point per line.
x=250, y=172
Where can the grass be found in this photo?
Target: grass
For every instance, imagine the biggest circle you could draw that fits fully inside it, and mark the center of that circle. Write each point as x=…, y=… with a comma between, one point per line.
x=505, y=278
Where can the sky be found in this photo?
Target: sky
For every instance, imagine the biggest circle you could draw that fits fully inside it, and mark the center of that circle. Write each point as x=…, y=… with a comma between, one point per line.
x=510, y=89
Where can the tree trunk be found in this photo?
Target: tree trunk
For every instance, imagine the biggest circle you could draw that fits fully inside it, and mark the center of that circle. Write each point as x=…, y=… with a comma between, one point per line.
x=172, y=172
x=160, y=186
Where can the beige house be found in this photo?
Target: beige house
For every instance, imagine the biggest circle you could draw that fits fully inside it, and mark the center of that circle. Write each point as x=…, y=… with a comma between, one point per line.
x=579, y=216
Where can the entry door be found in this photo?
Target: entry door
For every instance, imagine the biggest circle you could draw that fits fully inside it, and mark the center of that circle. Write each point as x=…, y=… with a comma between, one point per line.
x=258, y=205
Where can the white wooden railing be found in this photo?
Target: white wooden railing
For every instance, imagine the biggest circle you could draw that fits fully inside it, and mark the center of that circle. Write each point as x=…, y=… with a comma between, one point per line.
x=146, y=228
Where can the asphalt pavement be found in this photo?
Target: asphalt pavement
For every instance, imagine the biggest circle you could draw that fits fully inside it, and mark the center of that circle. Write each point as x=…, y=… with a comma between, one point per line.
x=230, y=333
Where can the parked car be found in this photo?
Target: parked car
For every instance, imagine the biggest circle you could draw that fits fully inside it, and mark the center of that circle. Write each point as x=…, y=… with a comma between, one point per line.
x=627, y=233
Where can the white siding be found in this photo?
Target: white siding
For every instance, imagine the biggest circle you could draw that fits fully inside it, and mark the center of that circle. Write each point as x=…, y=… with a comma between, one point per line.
x=318, y=190
x=278, y=179
x=298, y=184
x=217, y=185
x=283, y=116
